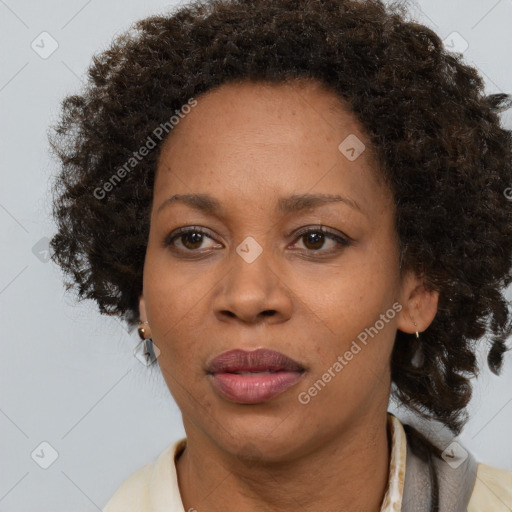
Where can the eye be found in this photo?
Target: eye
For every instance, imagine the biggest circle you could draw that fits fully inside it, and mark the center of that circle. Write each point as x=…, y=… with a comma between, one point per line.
x=191, y=238
x=314, y=239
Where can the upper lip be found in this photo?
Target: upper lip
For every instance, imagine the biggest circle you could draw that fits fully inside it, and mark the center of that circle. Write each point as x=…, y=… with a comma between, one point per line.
x=258, y=360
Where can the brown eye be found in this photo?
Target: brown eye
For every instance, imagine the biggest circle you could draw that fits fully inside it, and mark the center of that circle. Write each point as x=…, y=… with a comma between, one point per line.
x=193, y=238
x=315, y=239
x=190, y=238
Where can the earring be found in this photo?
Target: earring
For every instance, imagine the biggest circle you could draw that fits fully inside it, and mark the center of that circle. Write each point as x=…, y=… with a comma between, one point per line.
x=141, y=330
x=417, y=334
x=148, y=342
x=418, y=358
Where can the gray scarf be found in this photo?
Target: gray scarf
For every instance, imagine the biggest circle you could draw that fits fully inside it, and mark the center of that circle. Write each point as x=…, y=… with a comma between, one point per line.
x=455, y=485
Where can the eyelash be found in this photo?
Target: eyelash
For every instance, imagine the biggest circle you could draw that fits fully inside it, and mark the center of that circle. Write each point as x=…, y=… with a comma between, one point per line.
x=342, y=241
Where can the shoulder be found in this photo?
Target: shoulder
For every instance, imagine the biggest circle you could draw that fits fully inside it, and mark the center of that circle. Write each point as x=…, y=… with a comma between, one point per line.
x=139, y=490
x=133, y=492
x=492, y=491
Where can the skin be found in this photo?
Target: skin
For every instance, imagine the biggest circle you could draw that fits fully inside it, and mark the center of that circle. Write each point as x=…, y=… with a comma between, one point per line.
x=248, y=145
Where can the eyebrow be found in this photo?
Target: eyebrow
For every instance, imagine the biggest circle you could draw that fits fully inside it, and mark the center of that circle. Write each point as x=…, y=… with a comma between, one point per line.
x=290, y=204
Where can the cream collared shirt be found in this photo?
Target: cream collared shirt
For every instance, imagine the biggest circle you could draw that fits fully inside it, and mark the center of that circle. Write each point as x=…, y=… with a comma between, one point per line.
x=154, y=487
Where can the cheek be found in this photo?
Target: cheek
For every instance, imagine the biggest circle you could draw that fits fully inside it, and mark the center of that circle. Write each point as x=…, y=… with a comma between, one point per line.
x=173, y=302
x=170, y=287
x=347, y=304
x=351, y=357
x=350, y=296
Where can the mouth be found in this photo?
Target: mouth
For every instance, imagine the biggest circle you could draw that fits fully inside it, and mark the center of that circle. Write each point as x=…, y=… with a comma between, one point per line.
x=251, y=377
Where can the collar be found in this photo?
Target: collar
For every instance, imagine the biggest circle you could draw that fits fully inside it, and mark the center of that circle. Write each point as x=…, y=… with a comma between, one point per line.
x=393, y=497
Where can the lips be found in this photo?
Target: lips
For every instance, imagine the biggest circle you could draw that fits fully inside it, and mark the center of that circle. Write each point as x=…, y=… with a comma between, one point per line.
x=261, y=360
x=253, y=377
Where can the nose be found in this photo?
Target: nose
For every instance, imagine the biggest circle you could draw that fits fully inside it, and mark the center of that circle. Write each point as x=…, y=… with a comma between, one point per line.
x=253, y=292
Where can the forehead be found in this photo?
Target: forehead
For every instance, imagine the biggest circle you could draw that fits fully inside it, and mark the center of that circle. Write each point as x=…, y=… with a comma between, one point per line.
x=304, y=106
x=262, y=137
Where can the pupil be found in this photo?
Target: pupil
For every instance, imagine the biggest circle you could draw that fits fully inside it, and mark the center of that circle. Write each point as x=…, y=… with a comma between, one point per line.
x=193, y=238
x=315, y=239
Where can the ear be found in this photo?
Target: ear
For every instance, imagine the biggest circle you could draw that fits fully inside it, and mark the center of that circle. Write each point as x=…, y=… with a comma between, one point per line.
x=146, y=329
x=419, y=305
x=142, y=309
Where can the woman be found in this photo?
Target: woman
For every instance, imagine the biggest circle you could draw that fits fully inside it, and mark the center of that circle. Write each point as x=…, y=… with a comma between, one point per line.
x=302, y=204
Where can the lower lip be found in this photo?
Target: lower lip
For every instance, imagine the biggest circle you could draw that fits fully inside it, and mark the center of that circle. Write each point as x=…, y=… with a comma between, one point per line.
x=254, y=388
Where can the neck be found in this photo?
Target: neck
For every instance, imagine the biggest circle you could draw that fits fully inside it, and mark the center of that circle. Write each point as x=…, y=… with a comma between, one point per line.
x=347, y=473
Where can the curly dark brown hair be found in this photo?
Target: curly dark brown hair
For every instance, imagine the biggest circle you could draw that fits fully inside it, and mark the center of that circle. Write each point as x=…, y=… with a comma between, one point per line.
x=438, y=138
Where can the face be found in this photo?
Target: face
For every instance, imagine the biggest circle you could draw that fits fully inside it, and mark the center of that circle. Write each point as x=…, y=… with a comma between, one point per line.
x=256, y=271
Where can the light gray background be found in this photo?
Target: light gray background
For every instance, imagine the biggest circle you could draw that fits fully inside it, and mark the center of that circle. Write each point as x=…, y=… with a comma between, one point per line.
x=67, y=374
